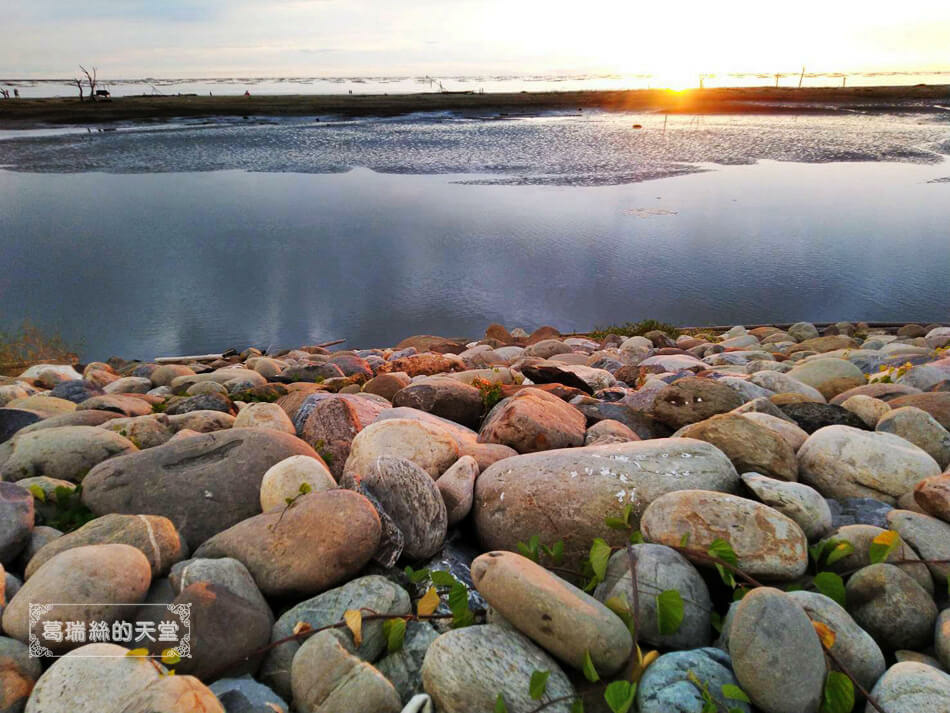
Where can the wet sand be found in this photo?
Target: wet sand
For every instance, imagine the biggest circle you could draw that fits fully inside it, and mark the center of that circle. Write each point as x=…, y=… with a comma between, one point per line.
x=26, y=113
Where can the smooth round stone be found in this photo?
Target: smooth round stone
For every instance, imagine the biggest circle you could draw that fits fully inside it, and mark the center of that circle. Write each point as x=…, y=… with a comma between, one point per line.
x=457, y=487
x=404, y=667
x=18, y=674
x=13, y=420
x=201, y=402
x=660, y=569
x=829, y=376
x=370, y=592
x=860, y=536
x=203, y=484
x=853, y=645
x=429, y=446
x=202, y=421
x=933, y=495
x=245, y=695
x=142, y=431
x=860, y=511
x=223, y=572
x=868, y=409
x=781, y=383
x=553, y=613
x=811, y=416
x=692, y=399
x=776, y=654
x=40, y=536
x=76, y=391
x=609, y=431
x=936, y=403
x=891, y=607
x=95, y=678
x=841, y=462
x=153, y=535
x=533, y=420
x=666, y=686
x=280, y=551
x=410, y=498
x=445, y=397
x=69, y=452
x=166, y=373
x=206, y=387
x=264, y=415
x=466, y=669
x=911, y=687
x=921, y=429
x=16, y=520
x=902, y=655
x=802, y=331
x=284, y=479
x=326, y=676
x=942, y=638
x=93, y=577
x=128, y=385
x=49, y=405
x=786, y=429
x=174, y=694
x=767, y=543
x=566, y=494
x=801, y=503
x=929, y=536
x=748, y=445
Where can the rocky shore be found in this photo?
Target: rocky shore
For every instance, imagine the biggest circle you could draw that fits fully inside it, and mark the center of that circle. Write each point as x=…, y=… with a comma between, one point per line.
x=714, y=521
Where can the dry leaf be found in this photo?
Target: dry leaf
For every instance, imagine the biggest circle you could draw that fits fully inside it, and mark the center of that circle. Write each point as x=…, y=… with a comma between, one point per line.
x=354, y=622
x=826, y=635
x=301, y=627
x=428, y=603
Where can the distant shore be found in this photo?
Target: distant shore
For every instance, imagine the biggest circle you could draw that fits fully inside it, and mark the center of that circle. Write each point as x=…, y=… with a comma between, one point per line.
x=27, y=113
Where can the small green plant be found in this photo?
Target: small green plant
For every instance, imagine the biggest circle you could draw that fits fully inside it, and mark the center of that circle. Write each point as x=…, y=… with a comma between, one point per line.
x=69, y=511
x=532, y=549
x=491, y=392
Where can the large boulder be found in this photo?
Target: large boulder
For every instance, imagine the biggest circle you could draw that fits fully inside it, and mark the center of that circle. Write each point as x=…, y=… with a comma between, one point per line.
x=936, y=403
x=330, y=423
x=750, y=446
x=203, y=484
x=692, y=399
x=921, y=429
x=842, y=462
x=533, y=420
x=828, y=375
x=445, y=397
x=911, y=687
x=430, y=446
x=566, y=494
x=767, y=543
x=281, y=553
x=69, y=452
x=888, y=604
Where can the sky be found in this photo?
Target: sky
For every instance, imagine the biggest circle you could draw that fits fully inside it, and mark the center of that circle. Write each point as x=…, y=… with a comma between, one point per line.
x=671, y=39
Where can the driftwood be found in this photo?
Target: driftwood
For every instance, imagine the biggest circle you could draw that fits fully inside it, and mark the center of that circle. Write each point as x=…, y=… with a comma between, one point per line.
x=213, y=357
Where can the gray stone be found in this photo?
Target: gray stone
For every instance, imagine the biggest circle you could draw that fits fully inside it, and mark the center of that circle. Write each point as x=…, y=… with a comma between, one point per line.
x=801, y=331
x=245, y=695
x=921, y=429
x=16, y=520
x=891, y=607
x=370, y=592
x=853, y=645
x=911, y=687
x=18, y=673
x=223, y=572
x=666, y=686
x=860, y=537
x=929, y=536
x=660, y=569
x=776, y=654
x=800, y=502
x=466, y=669
x=404, y=667
x=457, y=487
x=942, y=637
x=693, y=399
x=858, y=511
x=203, y=484
x=69, y=452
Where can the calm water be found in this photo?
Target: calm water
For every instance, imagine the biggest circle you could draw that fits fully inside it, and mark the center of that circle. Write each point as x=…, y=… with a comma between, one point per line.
x=148, y=243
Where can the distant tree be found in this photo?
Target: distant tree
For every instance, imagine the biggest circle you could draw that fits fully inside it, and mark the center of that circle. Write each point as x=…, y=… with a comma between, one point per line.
x=90, y=80
x=78, y=82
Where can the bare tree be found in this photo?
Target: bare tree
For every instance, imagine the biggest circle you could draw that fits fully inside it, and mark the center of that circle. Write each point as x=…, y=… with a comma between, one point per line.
x=78, y=83
x=91, y=80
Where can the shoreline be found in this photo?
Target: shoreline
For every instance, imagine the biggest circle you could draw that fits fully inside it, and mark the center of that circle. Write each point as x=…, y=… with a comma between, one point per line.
x=31, y=113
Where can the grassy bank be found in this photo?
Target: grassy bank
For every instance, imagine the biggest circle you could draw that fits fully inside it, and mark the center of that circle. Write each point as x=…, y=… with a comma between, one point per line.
x=20, y=113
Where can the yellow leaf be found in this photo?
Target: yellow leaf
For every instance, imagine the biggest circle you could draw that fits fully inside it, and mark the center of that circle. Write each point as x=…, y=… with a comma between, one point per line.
x=650, y=658
x=354, y=622
x=137, y=652
x=170, y=657
x=301, y=627
x=886, y=538
x=826, y=635
x=428, y=603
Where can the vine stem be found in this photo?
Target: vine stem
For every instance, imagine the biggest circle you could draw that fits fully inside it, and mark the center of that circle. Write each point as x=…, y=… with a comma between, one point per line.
x=547, y=704
x=844, y=669
x=635, y=588
x=708, y=558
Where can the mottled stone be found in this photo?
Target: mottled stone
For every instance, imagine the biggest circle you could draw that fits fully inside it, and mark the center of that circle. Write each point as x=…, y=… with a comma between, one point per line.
x=911, y=687
x=748, y=445
x=801, y=503
x=891, y=607
x=921, y=429
x=457, y=487
x=69, y=452
x=929, y=536
x=284, y=480
x=533, y=420
x=16, y=520
x=860, y=537
x=693, y=399
x=666, y=686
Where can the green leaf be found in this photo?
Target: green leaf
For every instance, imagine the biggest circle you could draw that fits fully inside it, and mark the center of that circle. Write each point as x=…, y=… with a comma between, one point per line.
x=395, y=632
x=734, y=693
x=627, y=511
x=838, y=695
x=38, y=493
x=538, y=684
x=615, y=523
x=416, y=575
x=441, y=578
x=839, y=550
x=556, y=552
x=305, y=488
x=723, y=550
x=684, y=540
x=716, y=621
x=636, y=538
x=458, y=604
x=669, y=611
x=740, y=593
x=577, y=706
x=500, y=706
x=619, y=696
x=831, y=585
x=599, y=555
x=590, y=672
x=883, y=545
x=529, y=550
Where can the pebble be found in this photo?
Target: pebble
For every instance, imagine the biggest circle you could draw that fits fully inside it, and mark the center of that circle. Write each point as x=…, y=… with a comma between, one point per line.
x=666, y=686
x=892, y=607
